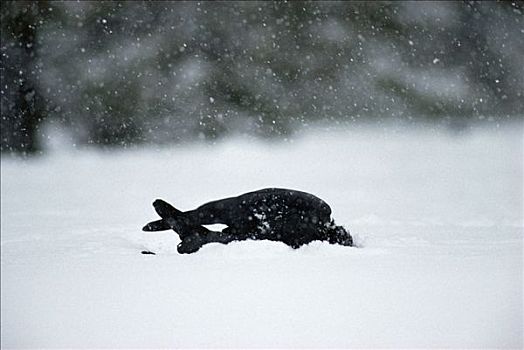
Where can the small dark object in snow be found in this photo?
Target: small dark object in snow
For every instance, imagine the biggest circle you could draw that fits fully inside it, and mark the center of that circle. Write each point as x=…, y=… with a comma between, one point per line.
x=148, y=252
x=292, y=217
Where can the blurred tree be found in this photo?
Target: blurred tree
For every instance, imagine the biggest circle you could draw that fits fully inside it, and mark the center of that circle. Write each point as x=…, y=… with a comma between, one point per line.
x=117, y=73
x=22, y=106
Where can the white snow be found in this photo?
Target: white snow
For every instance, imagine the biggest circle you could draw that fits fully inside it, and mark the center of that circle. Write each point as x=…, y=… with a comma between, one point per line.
x=438, y=218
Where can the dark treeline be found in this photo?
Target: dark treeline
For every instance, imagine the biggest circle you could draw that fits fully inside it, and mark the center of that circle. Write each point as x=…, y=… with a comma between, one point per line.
x=116, y=73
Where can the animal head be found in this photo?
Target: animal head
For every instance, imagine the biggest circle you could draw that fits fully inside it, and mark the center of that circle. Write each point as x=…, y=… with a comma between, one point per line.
x=339, y=235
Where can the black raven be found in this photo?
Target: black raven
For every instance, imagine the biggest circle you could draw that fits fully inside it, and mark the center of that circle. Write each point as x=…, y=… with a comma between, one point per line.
x=289, y=216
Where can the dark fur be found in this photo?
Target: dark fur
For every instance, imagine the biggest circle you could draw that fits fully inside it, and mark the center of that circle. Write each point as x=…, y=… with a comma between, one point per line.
x=292, y=217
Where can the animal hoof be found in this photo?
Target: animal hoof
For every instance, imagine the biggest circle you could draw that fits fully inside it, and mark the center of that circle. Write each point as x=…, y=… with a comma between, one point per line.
x=187, y=248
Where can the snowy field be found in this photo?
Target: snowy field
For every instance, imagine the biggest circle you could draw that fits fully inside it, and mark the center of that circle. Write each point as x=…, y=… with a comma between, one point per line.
x=438, y=218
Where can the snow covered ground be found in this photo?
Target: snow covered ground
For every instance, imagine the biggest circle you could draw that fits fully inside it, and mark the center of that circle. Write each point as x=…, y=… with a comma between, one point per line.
x=438, y=218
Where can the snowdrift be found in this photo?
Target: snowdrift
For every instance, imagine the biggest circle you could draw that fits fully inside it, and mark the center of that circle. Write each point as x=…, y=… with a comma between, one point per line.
x=437, y=217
